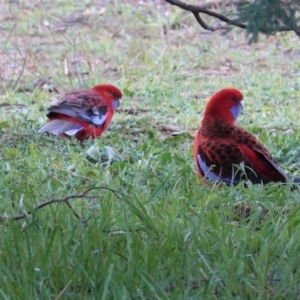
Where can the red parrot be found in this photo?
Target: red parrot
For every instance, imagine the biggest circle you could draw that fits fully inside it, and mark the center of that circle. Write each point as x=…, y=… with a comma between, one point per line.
x=221, y=146
x=83, y=113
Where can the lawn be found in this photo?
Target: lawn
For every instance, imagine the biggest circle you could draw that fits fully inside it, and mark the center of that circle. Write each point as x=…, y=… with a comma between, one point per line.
x=149, y=229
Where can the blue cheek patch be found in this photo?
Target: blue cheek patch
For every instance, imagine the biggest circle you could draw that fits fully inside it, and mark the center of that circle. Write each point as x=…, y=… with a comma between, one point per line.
x=116, y=104
x=236, y=110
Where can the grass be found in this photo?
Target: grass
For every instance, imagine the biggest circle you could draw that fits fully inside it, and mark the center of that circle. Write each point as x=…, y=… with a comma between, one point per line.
x=163, y=235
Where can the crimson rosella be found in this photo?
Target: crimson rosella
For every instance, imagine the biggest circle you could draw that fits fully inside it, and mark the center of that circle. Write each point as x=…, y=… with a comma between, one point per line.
x=83, y=113
x=221, y=146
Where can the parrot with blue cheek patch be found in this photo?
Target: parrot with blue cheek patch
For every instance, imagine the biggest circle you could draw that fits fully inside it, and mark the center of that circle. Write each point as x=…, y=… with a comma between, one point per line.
x=221, y=146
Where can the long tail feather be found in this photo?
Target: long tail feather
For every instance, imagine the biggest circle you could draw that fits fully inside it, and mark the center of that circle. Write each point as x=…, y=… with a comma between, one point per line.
x=58, y=127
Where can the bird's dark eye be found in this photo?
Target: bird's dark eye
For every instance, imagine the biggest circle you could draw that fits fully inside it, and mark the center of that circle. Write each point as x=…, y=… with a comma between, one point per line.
x=116, y=95
x=235, y=99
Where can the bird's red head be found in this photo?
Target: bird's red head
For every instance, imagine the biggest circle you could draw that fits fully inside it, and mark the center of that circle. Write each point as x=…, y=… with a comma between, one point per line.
x=110, y=93
x=225, y=104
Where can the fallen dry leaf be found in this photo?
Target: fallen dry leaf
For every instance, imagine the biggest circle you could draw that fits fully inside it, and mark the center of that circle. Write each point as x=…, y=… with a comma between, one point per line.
x=170, y=128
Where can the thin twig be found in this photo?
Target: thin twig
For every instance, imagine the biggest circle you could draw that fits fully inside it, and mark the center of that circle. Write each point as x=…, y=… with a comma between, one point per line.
x=64, y=200
x=73, y=211
x=22, y=70
x=63, y=290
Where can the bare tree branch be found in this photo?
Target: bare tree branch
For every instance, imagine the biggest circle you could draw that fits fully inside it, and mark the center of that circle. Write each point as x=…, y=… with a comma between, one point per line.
x=197, y=9
x=293, y=28
x=206, y=26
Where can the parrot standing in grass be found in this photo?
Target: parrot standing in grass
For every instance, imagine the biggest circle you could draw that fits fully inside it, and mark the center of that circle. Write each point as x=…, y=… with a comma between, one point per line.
x=83, y=113
x=224, y=152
